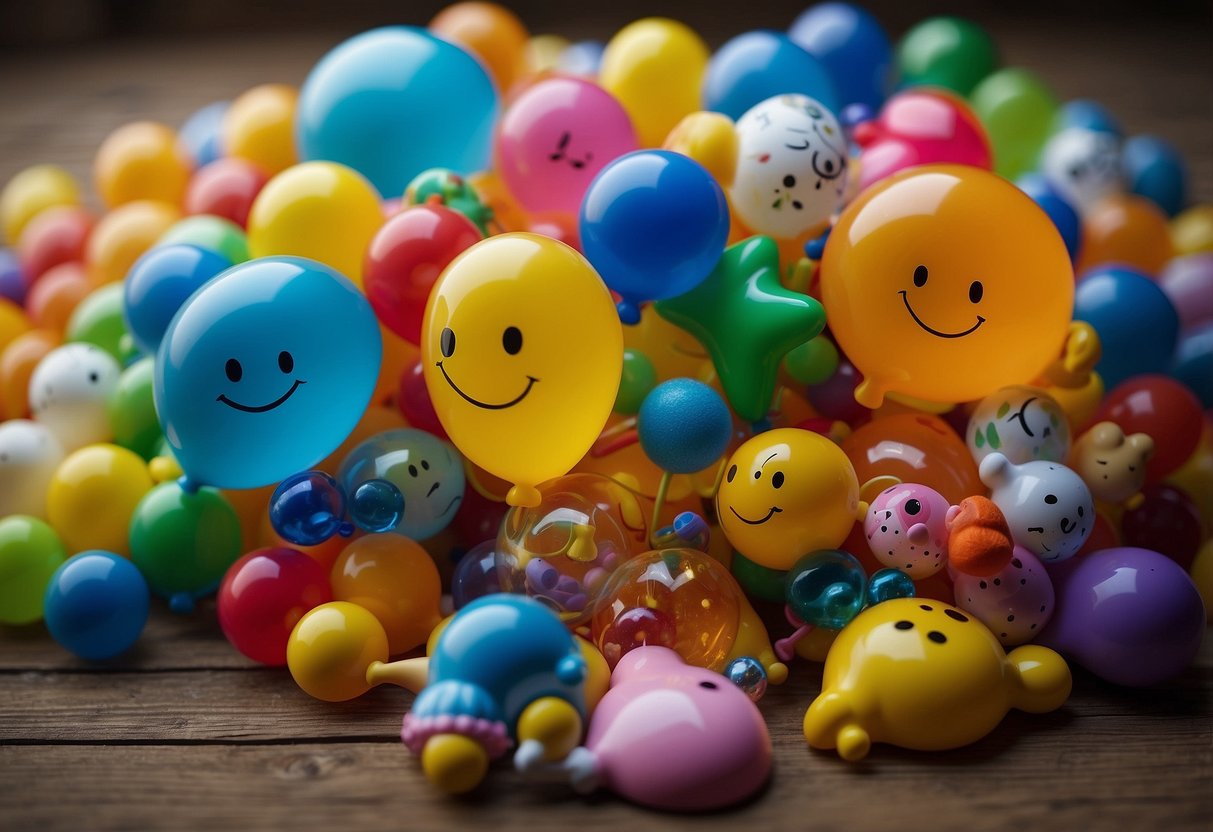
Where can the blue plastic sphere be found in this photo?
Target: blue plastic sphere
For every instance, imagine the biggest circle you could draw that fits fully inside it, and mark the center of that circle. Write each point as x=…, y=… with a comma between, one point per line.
x=1154, y=168
x=202, y=133
x=887, y=584
x=826, y=588
x=1194, y=363
x=376, y=506
x=747, y=673
x=684, y=426
x=1137, y=324
x=426, y=470
x=755, y=66
x=159, y=283
x=1061, y=212
x=653, y=223
x=1091, y=115
x=96, y=605
x=12, y=280
x=582, y=58
x=393, y=102
x=854, y=48
x=308, y=508
x=475, y=575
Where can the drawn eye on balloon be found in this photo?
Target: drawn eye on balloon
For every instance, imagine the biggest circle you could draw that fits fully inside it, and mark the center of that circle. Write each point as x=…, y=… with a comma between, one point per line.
x=562, y=145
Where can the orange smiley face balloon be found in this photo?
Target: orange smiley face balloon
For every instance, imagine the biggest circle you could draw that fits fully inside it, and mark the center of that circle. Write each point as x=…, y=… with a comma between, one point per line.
x=945, y=283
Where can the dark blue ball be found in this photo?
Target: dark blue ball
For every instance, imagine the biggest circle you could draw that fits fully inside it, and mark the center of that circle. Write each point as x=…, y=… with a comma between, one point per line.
x=1137, y=324
x=96, y=605
x=684, y=426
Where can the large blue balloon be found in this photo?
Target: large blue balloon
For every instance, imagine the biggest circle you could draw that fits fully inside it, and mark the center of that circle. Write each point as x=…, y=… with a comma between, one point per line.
x=1136, y=322
x=1091, y=115
x=202, y=133
x=1194, y=363
x=393, y=102
x=265, y=371
x=755, y=66
x=1153, y=168
x=96, y=604
x=1061, y=212
x=653, y=223
x=427, y=471
x=854, y=48
x=159, y=282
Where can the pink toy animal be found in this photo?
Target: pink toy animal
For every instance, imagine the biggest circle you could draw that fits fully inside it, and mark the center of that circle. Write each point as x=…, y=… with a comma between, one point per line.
x=670, y=736
x=907, y=528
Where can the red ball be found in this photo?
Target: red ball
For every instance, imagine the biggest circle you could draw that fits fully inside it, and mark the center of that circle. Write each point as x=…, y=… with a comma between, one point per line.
x=1166, y=522
x=225, y=188
x=413, y=400
x=405, y=259
x=263, y=596
x=57, y=235
x=1163, y=408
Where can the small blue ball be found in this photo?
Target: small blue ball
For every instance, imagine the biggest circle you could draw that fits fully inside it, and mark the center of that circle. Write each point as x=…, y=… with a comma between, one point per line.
x=1194, y=363
x=826, y=588
x=1154, y=168
x=1137, y=324
x=96, y=605
x=377, y=506
x=202, y=133
x=684, y=426
x=1091, y=115
x=307, y=508
x=757, y=65
x=747, y=673
x=582, y=58
x=887, y=584
x=12, y=280
x=1061, y=212
x=854, y=48
x=160, y=283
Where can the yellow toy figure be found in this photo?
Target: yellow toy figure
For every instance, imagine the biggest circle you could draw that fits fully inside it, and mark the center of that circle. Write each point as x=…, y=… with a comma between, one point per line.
x=921, y=674
x=522, y=352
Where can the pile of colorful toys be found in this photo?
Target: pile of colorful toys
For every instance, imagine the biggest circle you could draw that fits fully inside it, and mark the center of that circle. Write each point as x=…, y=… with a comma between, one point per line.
x=567, y=363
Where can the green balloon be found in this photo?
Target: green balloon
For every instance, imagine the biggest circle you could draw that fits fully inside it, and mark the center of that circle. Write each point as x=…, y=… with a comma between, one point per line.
x=758, y=581
x=184, y=543
x=639, y=377
x=453, y=191
x=30, y=552
x=98, y=320
x=216, y=234
x=132, y=410
x=1018, y=112
x=813, y=362
x=947, y=52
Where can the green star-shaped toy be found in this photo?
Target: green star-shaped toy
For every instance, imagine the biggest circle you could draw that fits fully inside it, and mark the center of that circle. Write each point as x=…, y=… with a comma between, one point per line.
x=747, y=321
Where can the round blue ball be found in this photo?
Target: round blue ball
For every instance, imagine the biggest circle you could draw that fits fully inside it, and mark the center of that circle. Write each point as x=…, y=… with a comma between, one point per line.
x=757, y=65
x=202, y=133
x=160, y=283
x=1137, y=324
x=12, y=279
x=96, y=605
x=1061, y=212
x=854, y=48
x=1154, y=168
x=1083, y=112
x=684, y=426
x=1194, y=363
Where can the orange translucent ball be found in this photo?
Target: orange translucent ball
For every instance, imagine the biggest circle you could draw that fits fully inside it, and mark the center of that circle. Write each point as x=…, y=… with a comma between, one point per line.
x=695, y=607
x=394, y=579
x=17, y=363
x=123, y=235
x=915, y=448
x=259, y=127
x=52, y=300
x=1128, y=230
x=491, y=32
x=142, y=160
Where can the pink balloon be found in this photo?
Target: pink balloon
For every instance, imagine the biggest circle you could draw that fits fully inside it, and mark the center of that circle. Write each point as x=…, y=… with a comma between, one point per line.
x=1188, y=282
x=555, y=138
x=920, y=127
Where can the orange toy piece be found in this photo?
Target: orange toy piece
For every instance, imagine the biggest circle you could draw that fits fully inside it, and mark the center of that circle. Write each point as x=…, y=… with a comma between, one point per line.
x=979, y=539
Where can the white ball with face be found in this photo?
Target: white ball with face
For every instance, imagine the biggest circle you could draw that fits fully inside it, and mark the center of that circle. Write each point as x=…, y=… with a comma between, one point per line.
x=791, y=173
x=1083, y=165
x=29, y=455
x=1048, y=506
x=1022, y=423
x=69, y=392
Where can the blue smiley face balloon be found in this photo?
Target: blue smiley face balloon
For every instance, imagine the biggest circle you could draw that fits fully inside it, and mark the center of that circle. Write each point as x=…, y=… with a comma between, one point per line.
x=427, y=470
x=264, y=371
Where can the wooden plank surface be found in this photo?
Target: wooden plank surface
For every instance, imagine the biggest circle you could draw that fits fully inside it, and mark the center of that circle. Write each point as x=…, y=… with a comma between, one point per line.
x=184, y=733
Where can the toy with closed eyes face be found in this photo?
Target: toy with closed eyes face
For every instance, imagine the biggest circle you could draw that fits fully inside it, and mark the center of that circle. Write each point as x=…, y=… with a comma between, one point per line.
x=1022, y=423
x=791, y=170
x=1047, y=506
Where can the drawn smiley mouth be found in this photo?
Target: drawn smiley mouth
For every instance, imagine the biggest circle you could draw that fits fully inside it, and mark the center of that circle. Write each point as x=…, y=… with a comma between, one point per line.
x=771, y=513
x=531, y=381
x=906, y=300
x=264, y=408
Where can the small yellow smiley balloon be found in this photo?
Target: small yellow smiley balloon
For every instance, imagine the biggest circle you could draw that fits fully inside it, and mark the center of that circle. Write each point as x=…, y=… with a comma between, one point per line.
x=785, y=493
x=522, y=351
x=946, y=283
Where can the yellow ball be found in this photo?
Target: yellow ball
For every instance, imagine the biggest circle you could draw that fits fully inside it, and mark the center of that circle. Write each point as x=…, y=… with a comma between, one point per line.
x=655, y=68
x=332, y=647
x=141, y=160
x=93, y=495
x=13, y=323
x=1192, y=231
x=320, y=210
x=543, y=52
x=30, y=192
x=123, y=235
x=259, y=127
x=454, y=763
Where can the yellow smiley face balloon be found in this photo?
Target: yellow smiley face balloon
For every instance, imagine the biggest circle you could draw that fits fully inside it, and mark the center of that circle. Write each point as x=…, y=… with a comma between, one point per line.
x=522, y=351
x=946, y=283
x=785, y=493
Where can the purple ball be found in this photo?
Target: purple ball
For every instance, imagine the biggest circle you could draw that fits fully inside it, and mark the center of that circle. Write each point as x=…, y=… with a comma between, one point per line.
x=1131, y=616
x=1188, y=282
x=475, y=575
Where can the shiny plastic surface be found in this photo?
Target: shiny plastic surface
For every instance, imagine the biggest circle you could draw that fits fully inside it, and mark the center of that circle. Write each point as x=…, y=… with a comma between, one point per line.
x=1047, y=506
